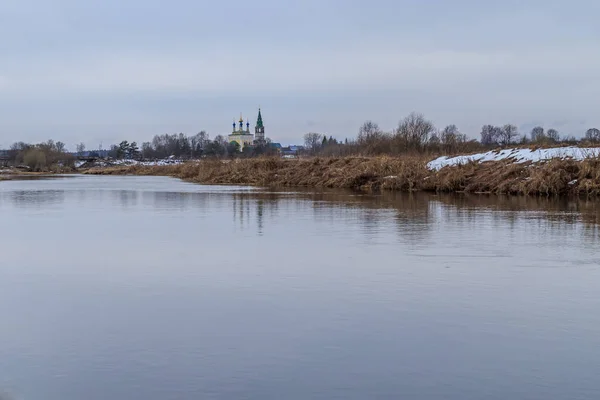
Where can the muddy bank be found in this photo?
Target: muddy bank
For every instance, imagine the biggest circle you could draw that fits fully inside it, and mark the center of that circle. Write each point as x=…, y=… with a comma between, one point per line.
x=7, y=174
x=551, y=178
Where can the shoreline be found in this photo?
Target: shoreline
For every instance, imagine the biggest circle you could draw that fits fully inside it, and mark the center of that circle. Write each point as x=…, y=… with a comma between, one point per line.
x=555, y=177
x=9, y=174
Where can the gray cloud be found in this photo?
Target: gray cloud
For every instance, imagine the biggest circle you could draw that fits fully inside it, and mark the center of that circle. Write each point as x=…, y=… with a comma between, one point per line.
x=101, y=71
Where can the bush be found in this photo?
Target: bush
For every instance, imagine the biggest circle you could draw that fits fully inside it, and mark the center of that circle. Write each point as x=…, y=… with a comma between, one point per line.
x=35, y=159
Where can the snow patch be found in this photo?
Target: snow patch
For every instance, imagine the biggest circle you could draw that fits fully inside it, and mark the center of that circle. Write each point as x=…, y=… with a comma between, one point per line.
x=517, y=155
x=113, y=163
x=169, y=161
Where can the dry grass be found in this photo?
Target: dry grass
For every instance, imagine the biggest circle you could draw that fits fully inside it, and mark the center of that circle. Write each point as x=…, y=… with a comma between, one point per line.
x=13, y=173
x=552, y=178
x=365, y=173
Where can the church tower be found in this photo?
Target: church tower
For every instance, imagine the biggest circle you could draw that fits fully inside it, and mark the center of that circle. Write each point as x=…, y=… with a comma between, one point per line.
x=259, y=129
x=240, y=136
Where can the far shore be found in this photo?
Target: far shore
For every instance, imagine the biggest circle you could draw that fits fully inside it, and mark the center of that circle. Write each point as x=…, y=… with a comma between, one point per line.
x=7, y=174
x=554, y=177
x=565, y=171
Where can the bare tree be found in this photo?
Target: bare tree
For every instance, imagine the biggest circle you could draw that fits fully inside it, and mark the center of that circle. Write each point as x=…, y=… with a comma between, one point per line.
x=198, y=143
x=593, y=134
x=221, y=140
x=507, y=134
x=371, y=139
x=487, y=135
x=449, y=133
x=312, y=141
x=413, y=132
x=491, y=135
x=451, y=138
x=537, y=134
x=368, y=132
x=147, y=150
x=80, y=147
x=553, y=135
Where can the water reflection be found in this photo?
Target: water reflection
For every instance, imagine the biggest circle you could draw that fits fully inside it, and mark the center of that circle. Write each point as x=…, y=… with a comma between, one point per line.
x=252, y=208
x=415, y=215
x=34, y=198
x=572, y=216
x=153, y=288
x=126, y=198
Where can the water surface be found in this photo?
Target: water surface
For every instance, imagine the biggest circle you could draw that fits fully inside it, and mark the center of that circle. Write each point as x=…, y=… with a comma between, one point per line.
x=151, y=288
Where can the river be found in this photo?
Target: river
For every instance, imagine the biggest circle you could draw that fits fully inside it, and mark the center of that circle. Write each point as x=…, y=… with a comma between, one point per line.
x=151, y=288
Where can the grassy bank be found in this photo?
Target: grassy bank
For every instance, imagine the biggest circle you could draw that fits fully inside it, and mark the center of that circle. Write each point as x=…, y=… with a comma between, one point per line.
x=555, y=177
x=8, y=174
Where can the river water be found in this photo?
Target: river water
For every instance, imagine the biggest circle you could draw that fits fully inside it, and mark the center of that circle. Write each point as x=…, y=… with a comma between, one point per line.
x=151, y=288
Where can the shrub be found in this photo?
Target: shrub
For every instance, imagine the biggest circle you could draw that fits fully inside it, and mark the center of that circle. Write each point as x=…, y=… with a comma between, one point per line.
x=35, y=159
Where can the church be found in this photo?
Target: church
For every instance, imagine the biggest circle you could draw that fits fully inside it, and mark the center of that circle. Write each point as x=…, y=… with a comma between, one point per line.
x=244, y=137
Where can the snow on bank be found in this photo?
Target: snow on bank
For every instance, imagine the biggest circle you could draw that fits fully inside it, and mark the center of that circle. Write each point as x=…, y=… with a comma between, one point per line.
x=517, y=155
x=112, y=163
x=147, y=163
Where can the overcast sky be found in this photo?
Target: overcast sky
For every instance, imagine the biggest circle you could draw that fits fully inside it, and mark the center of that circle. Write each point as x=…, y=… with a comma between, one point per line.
x=102, y=71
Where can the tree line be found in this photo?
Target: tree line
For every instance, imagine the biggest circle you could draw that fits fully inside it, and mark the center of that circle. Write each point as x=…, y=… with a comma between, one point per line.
x=416, y=134
x=182, y=146
x=41, y=156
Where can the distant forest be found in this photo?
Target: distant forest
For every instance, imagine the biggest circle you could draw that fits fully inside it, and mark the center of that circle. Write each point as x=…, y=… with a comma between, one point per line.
x=414, y=135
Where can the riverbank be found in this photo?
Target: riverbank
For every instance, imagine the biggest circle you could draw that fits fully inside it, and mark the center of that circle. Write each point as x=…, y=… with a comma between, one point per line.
x=7, y=174
x=555, y=177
